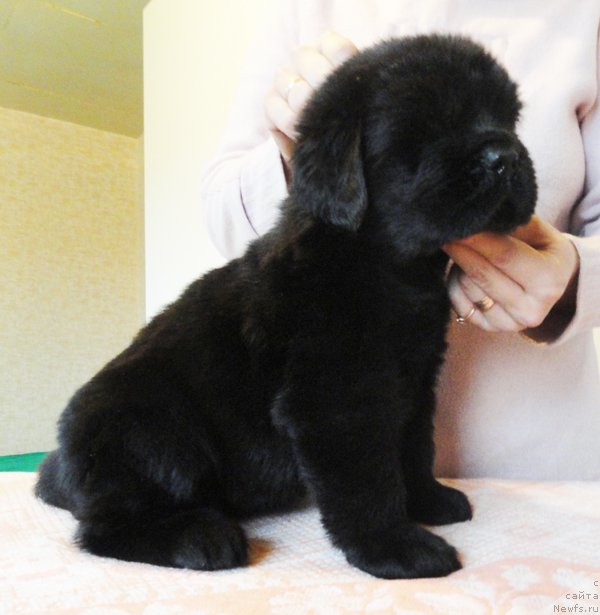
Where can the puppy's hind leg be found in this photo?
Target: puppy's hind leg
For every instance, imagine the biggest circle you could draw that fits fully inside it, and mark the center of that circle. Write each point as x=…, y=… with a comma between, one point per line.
x=201, y=539
x=158, y=504
x=52, y=484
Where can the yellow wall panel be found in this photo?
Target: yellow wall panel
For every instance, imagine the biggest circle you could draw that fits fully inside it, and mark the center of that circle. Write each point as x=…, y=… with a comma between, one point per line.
x=71, y=266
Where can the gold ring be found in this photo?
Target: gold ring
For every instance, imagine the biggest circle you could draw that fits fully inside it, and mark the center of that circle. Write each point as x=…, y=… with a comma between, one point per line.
x=291, y=83
x=485, y=304
x=461, y=320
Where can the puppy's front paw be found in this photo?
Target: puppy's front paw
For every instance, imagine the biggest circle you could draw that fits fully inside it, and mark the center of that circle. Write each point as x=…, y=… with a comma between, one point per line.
x=411, y=553
x=438, y=505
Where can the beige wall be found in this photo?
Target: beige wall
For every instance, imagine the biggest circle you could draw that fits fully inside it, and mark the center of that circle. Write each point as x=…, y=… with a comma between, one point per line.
x=71, y=266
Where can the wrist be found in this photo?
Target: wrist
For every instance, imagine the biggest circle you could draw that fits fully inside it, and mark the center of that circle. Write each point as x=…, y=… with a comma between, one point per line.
x=561, y=313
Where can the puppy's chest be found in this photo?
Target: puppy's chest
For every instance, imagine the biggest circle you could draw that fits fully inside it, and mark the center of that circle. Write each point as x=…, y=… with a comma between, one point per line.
x=389, y=309
x=415, y=313
x=362, y=305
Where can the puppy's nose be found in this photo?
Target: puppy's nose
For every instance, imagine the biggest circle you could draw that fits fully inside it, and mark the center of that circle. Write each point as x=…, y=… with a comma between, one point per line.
x=499, y=159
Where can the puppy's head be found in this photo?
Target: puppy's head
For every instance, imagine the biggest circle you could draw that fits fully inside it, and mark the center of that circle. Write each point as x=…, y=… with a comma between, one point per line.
x=414, y=142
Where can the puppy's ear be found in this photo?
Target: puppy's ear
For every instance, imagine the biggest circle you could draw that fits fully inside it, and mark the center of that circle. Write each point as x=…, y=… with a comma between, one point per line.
x=328, y=178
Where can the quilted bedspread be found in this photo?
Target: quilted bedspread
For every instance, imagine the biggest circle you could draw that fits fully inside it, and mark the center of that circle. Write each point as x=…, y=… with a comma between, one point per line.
x=531, y=548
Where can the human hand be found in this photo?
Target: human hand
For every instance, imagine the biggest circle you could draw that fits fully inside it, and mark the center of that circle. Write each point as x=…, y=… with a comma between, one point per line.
x=294, y=85
x=526, y=275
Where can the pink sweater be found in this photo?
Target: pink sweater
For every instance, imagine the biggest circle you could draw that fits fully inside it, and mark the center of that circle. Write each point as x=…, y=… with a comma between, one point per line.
x=507, y=407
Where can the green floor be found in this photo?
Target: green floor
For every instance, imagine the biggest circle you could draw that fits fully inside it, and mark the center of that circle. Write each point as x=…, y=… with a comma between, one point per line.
x=21, y=463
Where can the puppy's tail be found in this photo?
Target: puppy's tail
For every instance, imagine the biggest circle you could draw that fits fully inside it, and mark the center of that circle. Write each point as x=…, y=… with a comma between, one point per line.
x=49, y=486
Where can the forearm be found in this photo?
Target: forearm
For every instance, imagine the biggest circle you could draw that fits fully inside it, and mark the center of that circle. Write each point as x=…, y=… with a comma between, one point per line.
x=241, y=193
x=579, y=309
x=244, y=183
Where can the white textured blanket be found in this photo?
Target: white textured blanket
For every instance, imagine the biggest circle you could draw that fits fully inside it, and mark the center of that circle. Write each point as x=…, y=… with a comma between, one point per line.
x=532, y=548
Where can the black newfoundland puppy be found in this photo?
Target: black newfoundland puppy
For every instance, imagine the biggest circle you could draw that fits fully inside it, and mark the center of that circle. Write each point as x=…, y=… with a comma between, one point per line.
x=309, y=364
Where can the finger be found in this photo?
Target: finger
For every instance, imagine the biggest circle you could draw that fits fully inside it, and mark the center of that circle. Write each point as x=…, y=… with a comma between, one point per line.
x=557, y=250
x=279, y=114
x=336, y=48
x=293, y=89
x=526, y=240
x=463, y=307
x=311, y=65
x=298, y=95
x=284, y=79
x=497, y=317
x=508, y=254
x=515, y=301
x=284, y=143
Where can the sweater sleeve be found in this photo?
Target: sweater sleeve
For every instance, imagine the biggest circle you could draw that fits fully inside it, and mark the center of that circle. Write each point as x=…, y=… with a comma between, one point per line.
x=244, y=184
x=585, y=225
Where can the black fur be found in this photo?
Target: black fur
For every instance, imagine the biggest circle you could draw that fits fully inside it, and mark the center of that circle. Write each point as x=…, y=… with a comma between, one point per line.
x=310, y=362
